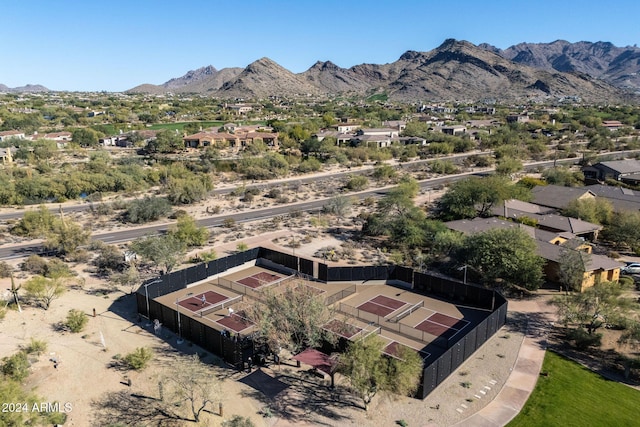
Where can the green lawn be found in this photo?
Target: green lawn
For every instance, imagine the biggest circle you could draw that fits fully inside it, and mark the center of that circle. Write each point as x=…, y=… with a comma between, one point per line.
x=180, y=126
x=572, y=395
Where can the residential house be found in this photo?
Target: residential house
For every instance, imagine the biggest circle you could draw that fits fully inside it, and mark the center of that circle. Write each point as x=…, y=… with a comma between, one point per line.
x=518, y=118
x=452, y=130
x=549, y=246
x=347, y=127
x=622, y=199
x=8, y=134
x=626, y=171
x=240, y=109
x=235, y=141
x=597, y=268
x=547, y=219
x=612, y=125
x=558, y=197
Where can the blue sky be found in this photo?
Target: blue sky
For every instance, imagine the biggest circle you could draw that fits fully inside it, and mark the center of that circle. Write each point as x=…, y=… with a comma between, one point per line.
x=115, y=45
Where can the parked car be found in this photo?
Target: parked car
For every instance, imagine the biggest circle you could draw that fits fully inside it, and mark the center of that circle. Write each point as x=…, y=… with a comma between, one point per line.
x=633, y=268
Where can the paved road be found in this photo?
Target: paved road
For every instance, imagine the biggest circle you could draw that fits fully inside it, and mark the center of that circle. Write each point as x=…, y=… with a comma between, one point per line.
x=18, y=251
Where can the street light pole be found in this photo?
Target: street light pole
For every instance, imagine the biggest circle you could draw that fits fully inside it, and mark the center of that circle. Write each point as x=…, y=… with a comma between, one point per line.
x=146, y=292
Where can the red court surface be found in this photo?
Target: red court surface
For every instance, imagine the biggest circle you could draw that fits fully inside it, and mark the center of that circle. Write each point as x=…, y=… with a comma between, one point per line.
x=341, y=328
x=377, y=309
x=393, y=349
x=259, y=279
x=235, y=322
x=449, y=321
x=439, y=329
x=195, y=303
x=388, y=302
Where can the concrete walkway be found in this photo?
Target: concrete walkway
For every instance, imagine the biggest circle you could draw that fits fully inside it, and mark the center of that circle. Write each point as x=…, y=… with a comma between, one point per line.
x=524, y=376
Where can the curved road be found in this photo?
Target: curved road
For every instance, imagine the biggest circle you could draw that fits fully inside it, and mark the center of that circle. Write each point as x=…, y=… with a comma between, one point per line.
x=22, y=250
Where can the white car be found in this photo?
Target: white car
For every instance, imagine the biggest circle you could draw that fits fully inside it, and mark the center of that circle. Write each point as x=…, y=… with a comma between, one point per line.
x=633, y=268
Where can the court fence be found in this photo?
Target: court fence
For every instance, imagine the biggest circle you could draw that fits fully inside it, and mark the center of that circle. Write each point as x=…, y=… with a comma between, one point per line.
x=235, y=348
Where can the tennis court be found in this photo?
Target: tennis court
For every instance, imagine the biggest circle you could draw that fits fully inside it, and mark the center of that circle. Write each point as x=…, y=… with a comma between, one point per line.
x=342, y=329
x=381, y=305
x=393, y=349
x=236, y=322
x=259, y=279
x=202, y=301
x=441, y=325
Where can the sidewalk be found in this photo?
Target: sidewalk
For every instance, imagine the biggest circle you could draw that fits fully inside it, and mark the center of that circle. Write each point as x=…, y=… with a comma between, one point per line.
x=524, y=376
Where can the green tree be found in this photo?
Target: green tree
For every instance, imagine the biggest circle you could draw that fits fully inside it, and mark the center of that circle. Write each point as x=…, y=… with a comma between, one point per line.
x=473, y=197
x=35, y=223
x=508, y=165
x=563, y=176
x=162, y=251
x=624, y=230
x=338, y=205
x=43, y=290
x=166, y=141
x=189, y=233
x=129, y=278
x=508, y=255
x=601, y=304
x=572, y=264
x=66, y=237
x=370, y=372
x=146, y=209
x=292, y=319
x=596, y=210
x=85, y=137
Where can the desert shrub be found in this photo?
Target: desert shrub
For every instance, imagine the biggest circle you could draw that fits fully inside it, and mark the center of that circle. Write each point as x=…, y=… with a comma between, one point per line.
x=76, y=320
x=138, y=359
x=5, y=269
x=583, y=340
x=36, y=346
x=146, y=210
x=238, y=421
x=35, y=264
x=357, y=183
x=274, y=193
x=16, y=367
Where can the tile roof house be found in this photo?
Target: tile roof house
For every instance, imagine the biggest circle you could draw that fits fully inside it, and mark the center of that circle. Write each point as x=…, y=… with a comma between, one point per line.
x=558, y=197
x=597, y=268
x=4, y=135
x=235, y=141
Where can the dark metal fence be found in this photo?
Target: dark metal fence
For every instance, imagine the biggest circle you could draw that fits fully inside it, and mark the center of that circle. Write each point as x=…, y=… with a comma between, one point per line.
x=234, y=349
x=440, y=368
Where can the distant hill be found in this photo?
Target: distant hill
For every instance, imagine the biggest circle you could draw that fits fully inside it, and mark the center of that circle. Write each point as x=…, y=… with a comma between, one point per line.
x=618, y=66
x=27, y=88
x=202, y=80
x=456, y=70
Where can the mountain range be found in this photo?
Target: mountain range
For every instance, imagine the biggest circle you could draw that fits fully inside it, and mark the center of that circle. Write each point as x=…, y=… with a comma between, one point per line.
x=27, y=88
x=454, y=71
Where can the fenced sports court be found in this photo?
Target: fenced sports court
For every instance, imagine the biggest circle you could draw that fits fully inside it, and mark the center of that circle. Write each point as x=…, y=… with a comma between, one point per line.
x=201, y=301
x=395, y=315
x=445, y=320
x=237, y=321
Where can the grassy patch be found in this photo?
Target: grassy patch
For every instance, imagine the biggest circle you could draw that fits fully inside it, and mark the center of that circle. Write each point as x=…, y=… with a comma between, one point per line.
x=378, y=97
x=571, y=395
x=181, y=125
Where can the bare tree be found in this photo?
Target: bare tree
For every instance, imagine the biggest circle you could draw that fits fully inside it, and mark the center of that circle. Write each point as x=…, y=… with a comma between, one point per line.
x=191, y=382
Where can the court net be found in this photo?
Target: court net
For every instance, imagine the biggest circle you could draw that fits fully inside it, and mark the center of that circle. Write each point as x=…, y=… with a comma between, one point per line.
x=219, y=306
x=405, y=313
